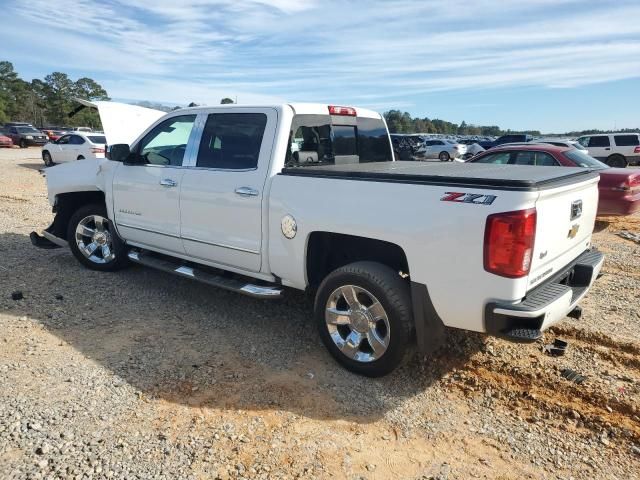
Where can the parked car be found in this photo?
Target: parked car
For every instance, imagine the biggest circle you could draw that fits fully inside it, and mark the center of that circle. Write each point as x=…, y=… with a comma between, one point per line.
x=5, y=139
x=614, y=149
x=74, y=146
x=473, y=148
x=53, y=135
x=82, y=129
x=331, y=217
x=443, y=150
x=510, y=138
x=562, y=143
x=619, y=188
x=26, y=136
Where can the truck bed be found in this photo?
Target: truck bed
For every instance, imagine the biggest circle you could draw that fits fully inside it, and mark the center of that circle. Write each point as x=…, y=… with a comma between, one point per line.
x=473, y=175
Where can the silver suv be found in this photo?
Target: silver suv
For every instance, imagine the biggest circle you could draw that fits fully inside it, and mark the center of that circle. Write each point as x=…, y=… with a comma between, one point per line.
x=614, y=149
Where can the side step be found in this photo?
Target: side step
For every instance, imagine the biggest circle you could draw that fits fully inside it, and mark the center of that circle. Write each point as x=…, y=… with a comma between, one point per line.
x=167, y=264
x=522, y=335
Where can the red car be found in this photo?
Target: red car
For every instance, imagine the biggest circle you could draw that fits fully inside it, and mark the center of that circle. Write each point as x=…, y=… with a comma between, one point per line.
x=5, y=141
x=619, y=187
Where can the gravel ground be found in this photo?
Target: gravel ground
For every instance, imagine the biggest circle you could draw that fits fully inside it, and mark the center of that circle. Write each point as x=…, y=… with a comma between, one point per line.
x=139, y=374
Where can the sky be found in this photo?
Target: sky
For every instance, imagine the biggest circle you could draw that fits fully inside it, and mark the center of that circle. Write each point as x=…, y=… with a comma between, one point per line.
x=549, y=65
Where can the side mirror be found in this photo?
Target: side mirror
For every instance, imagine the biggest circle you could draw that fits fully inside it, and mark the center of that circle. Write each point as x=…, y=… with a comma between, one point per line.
x=118, y=152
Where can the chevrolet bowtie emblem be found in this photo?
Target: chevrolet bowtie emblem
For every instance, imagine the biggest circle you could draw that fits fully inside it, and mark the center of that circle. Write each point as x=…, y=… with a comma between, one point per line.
x=574, y=231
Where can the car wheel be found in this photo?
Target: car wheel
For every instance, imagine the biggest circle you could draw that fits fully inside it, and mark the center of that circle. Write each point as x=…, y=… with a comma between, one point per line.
x=80, y=157
x=23, y=143
x=444, y=156
x=94, y=241
x=46, y=157
x=617, y=161
x=363, y=315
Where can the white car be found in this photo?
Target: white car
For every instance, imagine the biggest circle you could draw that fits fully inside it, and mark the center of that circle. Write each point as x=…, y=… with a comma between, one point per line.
x=74, y=146
x=615, y=149
x=444, y=150
x=558, y=142
x=218, y=195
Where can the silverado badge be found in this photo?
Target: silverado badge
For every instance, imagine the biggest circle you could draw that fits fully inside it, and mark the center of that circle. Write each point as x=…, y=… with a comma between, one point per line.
x=574, y=231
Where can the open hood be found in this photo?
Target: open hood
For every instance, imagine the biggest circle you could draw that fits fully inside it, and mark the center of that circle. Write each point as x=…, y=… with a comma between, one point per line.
x=122, y=123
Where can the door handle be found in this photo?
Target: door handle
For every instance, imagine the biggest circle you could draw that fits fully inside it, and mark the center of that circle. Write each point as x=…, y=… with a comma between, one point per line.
x=167, y=182
x=607, y=148
x=247, y=191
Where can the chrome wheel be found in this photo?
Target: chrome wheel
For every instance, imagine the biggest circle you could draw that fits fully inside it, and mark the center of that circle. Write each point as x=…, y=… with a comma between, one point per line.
x=357, y=323
x=94, y=239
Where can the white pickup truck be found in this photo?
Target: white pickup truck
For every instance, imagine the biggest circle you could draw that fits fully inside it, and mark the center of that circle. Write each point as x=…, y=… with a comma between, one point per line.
x=258, y=198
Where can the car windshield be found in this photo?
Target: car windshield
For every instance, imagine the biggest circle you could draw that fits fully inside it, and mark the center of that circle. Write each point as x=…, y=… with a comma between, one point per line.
x=583, y=160
x=99, y=139
x=28, y=130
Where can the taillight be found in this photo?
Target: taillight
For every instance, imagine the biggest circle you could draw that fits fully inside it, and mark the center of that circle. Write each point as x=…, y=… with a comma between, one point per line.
x=346, y=111
x=508, y=243
x=631, y=185
x=636, y=150
x=97, y=150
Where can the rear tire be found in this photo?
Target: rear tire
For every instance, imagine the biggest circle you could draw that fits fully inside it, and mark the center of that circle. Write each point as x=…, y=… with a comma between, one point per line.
x=444, y=156
x=94, y=241
x=23, y=143
x=617, y=161
x=364, y=318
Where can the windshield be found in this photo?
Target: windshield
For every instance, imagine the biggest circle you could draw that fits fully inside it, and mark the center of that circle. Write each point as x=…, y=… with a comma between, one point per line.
x=583, y=160
x=99, y=139
x=28, y=130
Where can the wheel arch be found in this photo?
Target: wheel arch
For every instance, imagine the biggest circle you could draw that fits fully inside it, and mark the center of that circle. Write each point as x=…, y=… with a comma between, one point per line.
x=327, y=251
x=66, y=204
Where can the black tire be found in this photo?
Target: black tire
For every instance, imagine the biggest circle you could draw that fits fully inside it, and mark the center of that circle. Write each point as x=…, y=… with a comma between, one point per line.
x=116, y=246
x=444, y=156
x=392, y=292
x=80, y=157
x=617, y=161
x=23, y=143
x=46, y=158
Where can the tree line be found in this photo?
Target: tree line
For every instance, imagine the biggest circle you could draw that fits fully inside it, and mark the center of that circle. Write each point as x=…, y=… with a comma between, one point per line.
x=399, y=122
x=47, y=101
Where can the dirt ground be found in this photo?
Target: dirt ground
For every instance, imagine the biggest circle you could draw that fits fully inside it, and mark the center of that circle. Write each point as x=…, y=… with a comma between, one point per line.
x=138, y=374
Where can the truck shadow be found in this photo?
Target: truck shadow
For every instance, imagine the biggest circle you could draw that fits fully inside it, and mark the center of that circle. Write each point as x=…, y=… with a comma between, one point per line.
x=194, y=345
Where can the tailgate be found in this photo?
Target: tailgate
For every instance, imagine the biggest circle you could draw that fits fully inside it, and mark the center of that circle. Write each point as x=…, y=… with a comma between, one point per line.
x=565, y=219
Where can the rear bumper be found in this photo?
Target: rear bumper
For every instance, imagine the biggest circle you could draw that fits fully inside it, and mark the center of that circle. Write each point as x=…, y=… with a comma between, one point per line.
x=548, y=303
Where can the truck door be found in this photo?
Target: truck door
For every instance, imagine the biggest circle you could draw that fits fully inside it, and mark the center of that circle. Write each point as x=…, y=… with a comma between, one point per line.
x=222, y=194
x=146, y=196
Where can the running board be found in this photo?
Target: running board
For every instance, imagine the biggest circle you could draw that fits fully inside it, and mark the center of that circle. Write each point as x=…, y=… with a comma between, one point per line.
x=234, y=284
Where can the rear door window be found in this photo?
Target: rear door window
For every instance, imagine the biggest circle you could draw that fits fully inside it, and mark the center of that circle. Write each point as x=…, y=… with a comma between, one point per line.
x=626, y=140
x=231, y=141
x=535, y=158
x=602, y=141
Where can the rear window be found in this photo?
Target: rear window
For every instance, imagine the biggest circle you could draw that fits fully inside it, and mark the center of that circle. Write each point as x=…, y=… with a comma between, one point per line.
x=599, y=141
x=583, y=160
x=327, y=140
x=99, y=139
x=626, y=140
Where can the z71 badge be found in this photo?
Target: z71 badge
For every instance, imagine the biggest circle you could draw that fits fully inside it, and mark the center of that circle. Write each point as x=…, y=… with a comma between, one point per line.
x=475, y=198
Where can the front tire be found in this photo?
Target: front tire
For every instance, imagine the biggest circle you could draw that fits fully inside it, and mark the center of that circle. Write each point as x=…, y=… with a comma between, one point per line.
x=23, y=143
x=444, y=156
x=94, y=241
x=364, y=317
x=46, y=158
